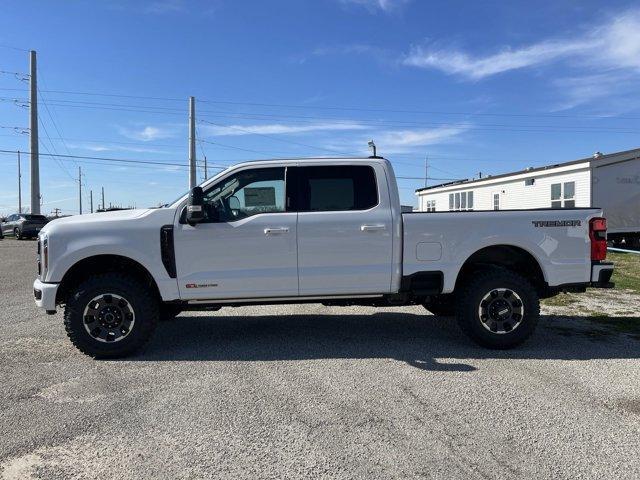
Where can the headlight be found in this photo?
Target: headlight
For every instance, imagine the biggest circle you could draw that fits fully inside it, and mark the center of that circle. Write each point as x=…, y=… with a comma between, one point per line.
x=45, y=255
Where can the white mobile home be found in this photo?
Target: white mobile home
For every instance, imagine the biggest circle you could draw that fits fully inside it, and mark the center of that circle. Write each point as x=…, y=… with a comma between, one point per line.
x=610, y=182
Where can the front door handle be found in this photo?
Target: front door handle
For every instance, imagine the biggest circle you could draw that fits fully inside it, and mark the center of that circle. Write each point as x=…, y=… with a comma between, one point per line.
x=275, y=231
x=372, y=228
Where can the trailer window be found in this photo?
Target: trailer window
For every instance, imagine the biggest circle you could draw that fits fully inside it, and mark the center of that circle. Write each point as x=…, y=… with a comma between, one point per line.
x=470, y=200
x=563, y=195
x=556, y=195
x=451, y=202
x=569, y=194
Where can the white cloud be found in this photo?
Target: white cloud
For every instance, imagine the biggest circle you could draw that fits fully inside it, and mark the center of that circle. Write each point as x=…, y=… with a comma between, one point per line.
x=454, y=62
x=391, y=142
x=419, y=137
x=279, y=128
x=147, y=133
x=386, y=6
x=101, y=147
x=613, y=45
x=165, y=6
x=612, y=85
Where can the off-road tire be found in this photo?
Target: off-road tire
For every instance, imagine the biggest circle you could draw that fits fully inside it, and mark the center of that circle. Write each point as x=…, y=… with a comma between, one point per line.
x=142, y=301
x=476, y=288
x=441, y=305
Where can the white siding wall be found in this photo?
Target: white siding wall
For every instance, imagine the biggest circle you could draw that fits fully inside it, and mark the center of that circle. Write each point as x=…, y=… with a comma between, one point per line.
x=514, y=194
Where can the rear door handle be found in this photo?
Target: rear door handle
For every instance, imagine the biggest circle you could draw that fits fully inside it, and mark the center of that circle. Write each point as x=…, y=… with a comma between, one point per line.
x=275, y=231
x=372, y=228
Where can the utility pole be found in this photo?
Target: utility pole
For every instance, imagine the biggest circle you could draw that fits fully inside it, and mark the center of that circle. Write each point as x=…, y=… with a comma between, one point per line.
x=102, y=198
x=91, y=199
x=33, y=136
x=19, y=185
x=192, y=142
x=80, y=189
x=205, y=168
x=426, y=170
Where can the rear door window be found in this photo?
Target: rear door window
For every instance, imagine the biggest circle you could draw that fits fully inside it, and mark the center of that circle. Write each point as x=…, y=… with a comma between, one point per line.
x=336, y=188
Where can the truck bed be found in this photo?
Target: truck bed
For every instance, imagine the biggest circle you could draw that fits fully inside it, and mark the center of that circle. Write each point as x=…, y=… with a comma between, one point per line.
x=557, y=238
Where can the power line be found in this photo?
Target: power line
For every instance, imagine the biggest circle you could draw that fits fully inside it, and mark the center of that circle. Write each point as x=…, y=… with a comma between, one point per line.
x=249, y=132
x=343, y=107
x=489, y=127
x=223, y=145
x=310, y=119
x=122, y=160
x=62, y=167
x=14, y=48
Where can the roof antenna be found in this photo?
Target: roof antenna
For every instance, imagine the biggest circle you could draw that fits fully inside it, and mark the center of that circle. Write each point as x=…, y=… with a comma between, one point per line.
x=372, y=146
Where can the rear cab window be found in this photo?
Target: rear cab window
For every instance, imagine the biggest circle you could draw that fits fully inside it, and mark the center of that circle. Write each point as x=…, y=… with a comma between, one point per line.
x=336, y=188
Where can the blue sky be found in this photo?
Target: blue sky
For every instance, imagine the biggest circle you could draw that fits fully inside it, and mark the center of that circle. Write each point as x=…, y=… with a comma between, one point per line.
x=476, y=86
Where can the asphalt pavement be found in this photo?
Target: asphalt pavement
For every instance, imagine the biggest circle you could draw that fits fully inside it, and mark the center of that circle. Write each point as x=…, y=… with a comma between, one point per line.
x=309, y=391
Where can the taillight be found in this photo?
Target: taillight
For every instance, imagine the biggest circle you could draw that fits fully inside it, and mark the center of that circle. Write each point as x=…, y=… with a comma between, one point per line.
x=598, y=237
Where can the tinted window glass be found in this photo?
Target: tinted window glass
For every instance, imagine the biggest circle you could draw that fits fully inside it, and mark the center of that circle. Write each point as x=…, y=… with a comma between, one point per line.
x=451, y=201
x=569, y=189
x=470, y=200
x=35, y=218
x=244, y=194
x=336, y=188
x=556, y=191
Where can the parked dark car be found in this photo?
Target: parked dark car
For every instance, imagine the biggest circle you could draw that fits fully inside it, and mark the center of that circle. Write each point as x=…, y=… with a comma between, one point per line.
x=23, y=225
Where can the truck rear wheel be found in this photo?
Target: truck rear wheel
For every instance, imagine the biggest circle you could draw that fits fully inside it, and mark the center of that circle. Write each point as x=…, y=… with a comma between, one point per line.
x=110, y=315
x=498, y=309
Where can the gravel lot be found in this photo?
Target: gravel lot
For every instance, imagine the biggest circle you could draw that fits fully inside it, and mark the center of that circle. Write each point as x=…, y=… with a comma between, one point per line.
x=312, y=392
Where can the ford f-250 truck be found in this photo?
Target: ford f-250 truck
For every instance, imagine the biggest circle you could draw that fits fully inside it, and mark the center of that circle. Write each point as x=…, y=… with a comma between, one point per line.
x=316, y=230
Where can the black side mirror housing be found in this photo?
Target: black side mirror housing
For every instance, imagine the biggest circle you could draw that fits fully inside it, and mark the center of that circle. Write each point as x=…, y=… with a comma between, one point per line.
x=195, y=207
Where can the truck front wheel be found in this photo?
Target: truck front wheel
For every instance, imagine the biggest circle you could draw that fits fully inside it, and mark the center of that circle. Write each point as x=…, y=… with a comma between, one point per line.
x=498, y=309
x=110, y=315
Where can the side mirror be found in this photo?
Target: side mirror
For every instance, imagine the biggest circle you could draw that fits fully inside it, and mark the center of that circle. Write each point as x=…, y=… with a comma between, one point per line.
x=195, y=207
x=234, y=204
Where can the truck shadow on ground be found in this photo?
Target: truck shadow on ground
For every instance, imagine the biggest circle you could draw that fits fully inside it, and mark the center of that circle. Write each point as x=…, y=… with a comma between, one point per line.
x=422, y=341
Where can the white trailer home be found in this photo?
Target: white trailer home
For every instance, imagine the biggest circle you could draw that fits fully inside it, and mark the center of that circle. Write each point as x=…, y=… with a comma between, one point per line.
x=610, y=182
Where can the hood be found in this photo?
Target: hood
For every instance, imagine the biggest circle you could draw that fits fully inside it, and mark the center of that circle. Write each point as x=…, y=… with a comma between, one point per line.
x=109, y=220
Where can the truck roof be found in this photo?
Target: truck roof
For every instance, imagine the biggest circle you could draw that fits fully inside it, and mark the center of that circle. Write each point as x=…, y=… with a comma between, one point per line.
x=312, y=160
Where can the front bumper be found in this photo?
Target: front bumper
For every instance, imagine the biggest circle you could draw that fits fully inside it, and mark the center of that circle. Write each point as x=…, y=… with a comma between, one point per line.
x=601, y=275
x=45, y=295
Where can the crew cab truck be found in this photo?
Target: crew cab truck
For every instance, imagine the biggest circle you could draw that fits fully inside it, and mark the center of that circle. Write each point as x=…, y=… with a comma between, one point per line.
x=311, y=230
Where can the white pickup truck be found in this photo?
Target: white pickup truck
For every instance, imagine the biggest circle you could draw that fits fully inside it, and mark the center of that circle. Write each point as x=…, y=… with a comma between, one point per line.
x=327, y=231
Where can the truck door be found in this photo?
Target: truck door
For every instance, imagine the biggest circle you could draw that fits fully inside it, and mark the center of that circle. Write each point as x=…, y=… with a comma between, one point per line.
x=246, y=246
x=344, y=231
